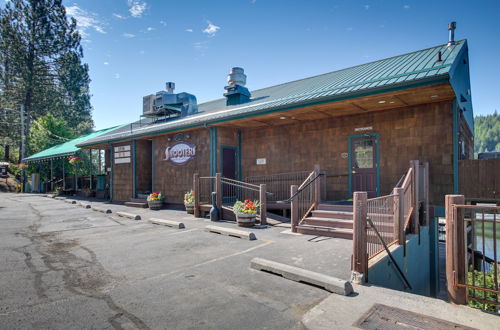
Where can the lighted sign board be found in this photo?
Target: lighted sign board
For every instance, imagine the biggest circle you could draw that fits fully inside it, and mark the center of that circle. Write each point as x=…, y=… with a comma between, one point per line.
x=180, y=153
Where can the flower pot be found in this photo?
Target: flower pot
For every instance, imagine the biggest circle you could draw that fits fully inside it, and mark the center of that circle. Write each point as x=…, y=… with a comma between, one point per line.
x=189, y=208
x=155, y=205
x=245, y=219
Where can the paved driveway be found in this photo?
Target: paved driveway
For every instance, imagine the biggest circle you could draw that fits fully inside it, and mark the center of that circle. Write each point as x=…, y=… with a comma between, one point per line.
x=66, y=267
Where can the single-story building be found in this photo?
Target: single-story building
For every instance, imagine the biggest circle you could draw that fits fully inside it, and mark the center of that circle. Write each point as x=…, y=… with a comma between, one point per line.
x=361, y=124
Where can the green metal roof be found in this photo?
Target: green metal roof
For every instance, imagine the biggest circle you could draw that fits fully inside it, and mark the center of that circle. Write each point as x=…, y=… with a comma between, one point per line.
x=403, y=71
x=67, y=148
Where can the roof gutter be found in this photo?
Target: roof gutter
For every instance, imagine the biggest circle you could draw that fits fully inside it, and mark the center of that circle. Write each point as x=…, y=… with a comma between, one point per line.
x=444, y=78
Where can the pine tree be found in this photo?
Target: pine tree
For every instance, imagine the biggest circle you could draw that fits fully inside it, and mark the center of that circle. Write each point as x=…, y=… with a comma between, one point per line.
x=41, y=65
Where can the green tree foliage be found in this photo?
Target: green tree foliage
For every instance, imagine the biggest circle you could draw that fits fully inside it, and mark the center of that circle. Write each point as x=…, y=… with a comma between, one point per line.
x=487, y=133
x=41, y=67
x=48, y=131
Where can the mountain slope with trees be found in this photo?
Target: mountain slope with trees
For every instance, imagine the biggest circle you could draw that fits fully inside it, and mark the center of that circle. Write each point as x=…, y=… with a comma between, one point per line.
x=487, y=133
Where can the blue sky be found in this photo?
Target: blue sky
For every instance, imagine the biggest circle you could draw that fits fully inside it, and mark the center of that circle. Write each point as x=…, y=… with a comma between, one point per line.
x=133, y=46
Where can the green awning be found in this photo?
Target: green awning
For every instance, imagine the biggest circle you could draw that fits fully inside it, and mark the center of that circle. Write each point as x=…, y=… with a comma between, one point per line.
x=67, y=148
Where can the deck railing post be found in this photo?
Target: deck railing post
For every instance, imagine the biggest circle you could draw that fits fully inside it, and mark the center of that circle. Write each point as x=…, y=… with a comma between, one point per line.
x=263, y=204
x=294, y=208
x=196, y=188
x=455, y=249
x=416, y=180
x=218, y=190
x=317, y=186
x=399, y=220
x=359, y=242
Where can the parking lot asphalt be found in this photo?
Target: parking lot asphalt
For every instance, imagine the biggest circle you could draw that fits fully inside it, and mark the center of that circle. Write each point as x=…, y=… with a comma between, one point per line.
x=66, y=267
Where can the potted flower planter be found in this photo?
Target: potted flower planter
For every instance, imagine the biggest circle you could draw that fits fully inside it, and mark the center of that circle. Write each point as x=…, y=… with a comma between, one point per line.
x=155, y=205
x=245, y=220
x=189, y=208
x=155, y=201
x=189, y=202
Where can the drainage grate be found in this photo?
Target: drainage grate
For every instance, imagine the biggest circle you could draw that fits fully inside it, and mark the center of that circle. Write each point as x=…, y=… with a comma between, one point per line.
x=386, y=317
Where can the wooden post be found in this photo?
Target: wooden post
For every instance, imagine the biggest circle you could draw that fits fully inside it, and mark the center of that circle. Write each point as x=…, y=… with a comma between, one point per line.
x=455, y=249
x=426, y=192
x=51, y=175
x=399, y=216
x=294, y=208
x=196, y=188
x=218, y=191
x=263, y=204
x=317, y=186
x=416, y=180
x=360, y=259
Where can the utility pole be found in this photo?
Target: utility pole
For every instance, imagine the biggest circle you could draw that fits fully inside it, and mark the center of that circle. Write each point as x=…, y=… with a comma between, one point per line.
x=23, y=148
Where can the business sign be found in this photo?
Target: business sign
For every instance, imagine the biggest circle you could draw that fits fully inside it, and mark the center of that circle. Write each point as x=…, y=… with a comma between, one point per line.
x=122, y=154
x=362, y=129
x=180, y=153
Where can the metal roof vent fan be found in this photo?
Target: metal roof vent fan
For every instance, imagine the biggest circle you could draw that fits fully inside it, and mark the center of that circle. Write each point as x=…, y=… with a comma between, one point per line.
x=236, y=92
x=166, y=103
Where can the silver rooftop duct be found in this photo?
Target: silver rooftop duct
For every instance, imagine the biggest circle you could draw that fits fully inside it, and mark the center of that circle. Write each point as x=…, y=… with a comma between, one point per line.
x=167, y=103
x=236, y=92
x=451, y=27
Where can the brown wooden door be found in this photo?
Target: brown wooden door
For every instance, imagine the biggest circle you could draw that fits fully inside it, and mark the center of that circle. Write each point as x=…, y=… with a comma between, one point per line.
x=229, y=163
x=364, y=165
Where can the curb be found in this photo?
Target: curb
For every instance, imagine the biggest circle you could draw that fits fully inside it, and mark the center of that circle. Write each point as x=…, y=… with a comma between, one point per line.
x=169, y=223
x=231, y=232
x=129, y=215
x=296, y=274
x=70, y=201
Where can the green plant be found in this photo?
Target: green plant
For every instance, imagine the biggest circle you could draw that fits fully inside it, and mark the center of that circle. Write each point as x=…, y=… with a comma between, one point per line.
x=156, y=197
x=247, y=206
x=59, y=188
x=189, y=197
x=485, y=280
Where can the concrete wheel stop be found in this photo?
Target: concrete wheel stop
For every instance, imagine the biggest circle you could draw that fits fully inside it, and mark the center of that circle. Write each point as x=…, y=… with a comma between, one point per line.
x=231, y=232
x=129, y=215
x=168, y=223
x=101, y=209
x=329, y=283
x=85, y=205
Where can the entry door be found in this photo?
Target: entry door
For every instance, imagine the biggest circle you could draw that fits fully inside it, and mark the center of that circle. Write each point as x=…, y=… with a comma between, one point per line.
x=364, y=165
x=229, y=171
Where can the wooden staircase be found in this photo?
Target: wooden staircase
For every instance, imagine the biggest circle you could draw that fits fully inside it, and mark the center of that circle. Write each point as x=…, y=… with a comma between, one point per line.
x=337, y=221
x=328, y=220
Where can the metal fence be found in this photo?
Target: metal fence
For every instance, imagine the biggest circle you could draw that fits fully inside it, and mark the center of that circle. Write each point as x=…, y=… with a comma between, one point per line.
x=381, y=211
x=234, y=190
x=278, y=185
x=482, y=251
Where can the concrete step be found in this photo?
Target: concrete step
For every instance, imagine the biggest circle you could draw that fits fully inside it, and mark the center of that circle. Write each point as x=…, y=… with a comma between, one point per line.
x=332, y=214
x=331, y=207
x=137, y=204
x=328, y=222
x=138, y=200
x=325, y=231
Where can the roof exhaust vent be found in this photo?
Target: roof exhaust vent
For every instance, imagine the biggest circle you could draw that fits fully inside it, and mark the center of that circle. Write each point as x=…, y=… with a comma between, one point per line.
x=166, y=103
x=451, y=27
x=236, y=92
x=439, y=57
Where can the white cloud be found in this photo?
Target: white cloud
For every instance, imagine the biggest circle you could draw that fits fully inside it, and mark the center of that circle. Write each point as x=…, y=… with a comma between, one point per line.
x=142, y=52
x=85, y=20
x=366, y=7
x=150, y=28
x=117, y=76
x=137, y=7
x=406, y=7
x=211, y=29
x=119, y=16
x=106, y=63
x=189, y=30
x=128, y=35
x=163, y=23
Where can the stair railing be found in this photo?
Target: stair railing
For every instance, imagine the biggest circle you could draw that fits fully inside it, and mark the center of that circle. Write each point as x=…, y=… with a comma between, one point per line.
x=305, y=197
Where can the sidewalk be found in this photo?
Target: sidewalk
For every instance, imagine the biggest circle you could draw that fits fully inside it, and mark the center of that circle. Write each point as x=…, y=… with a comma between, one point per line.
x=341, y=312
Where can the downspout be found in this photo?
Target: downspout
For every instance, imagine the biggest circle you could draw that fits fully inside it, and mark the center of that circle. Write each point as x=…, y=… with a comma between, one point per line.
x=213, y=150
x=455, y=146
